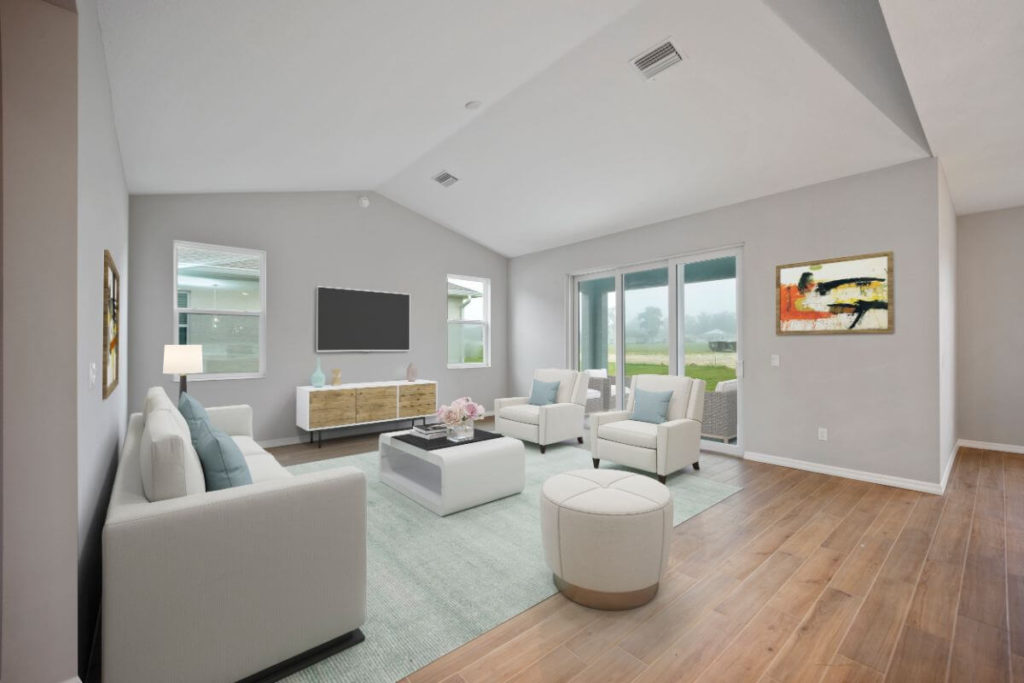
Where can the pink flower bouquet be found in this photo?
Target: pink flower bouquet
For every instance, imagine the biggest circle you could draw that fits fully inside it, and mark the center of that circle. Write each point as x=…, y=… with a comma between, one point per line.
x=460, y=411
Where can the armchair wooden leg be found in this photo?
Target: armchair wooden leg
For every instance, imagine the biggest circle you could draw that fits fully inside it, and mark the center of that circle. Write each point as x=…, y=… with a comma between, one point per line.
x=662, y=478
x=543, y=448
x=580, y=439
x=597, y=462
x=696, y=465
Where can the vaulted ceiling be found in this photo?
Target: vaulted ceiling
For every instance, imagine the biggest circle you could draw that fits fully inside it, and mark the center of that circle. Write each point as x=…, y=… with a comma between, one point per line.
x=570, y=141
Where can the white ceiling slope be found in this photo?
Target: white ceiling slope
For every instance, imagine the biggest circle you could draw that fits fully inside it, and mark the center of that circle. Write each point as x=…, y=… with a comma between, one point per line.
x=589, y=147
x=964, y=64
x=854, y=38
x=571, y=143
x=256, y=95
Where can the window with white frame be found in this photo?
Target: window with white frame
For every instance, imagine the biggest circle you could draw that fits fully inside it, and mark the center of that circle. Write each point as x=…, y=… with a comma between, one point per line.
x=220, y=303
x=469, y=321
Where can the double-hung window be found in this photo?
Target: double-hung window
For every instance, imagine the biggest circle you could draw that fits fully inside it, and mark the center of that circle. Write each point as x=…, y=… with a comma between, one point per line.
x=469, y=322
x=220, y=303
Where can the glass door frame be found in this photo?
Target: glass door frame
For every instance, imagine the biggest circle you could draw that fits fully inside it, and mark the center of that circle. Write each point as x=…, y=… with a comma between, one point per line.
x=676, y=330
x=679, y=355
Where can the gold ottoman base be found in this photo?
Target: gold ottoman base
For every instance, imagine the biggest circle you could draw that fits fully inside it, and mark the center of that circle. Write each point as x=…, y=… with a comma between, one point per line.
x=602, y=600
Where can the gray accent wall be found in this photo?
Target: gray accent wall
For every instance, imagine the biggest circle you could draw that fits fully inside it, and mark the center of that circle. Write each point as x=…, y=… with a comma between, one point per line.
x=311, y=238
x=102, y=224
x=40, y=532
x=990, y=370
x=878, y=395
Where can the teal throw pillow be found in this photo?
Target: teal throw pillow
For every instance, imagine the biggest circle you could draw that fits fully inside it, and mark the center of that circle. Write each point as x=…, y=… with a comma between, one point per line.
x=543, y=393
x=195, y=415
x=223, y=464
x=651, y=406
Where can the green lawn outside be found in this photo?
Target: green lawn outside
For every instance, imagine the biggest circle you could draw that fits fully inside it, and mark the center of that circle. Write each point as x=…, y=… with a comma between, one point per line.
x=712, y=374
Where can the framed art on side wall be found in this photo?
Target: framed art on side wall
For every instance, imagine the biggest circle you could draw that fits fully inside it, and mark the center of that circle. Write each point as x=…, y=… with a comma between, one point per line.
x=111, y=324
x=849, y=295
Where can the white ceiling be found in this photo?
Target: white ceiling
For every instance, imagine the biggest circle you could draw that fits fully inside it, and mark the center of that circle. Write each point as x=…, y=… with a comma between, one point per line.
x=257, y=95
x=964, y=65
x=571, y=143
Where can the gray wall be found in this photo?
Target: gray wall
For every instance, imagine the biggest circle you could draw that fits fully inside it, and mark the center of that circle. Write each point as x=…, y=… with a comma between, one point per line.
x=990, y=371
x=315, y=238
x=40, y=532
x=878, y=395
x=102, y=224
x=948, y=396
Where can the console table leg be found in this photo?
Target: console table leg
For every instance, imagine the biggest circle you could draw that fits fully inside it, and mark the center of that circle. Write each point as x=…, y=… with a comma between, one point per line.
x=320, y=439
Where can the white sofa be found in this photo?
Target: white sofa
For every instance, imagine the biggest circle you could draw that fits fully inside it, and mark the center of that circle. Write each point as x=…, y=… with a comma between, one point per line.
x=545, y=425
x=220, y=585
x=657, y=448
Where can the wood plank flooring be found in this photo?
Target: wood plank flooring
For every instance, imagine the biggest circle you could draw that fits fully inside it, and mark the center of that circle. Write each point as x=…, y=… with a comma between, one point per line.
x=798, y=577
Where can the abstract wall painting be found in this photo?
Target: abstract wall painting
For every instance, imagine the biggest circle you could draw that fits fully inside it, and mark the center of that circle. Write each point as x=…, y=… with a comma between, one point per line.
x=850, y=295
x=111, y=324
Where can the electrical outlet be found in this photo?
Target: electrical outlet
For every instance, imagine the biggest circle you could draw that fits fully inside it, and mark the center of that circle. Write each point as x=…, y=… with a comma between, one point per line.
x=775, y=360
x=92, y=375
x=822, y=434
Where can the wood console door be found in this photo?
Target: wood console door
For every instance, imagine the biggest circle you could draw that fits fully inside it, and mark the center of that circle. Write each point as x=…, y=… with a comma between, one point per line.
x=332, y=407
x=415, y=400
x=374, y=404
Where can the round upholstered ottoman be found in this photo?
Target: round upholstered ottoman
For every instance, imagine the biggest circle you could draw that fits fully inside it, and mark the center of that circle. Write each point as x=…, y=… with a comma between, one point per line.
x=606, y=536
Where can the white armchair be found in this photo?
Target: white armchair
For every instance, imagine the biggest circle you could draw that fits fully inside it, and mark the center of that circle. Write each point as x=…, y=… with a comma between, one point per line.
x=657, y=448
x=549, y=424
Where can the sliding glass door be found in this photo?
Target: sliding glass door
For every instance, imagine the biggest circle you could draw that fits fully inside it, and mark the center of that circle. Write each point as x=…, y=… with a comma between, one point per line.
x=678, y=317
x=645, y=318
x=708, y=342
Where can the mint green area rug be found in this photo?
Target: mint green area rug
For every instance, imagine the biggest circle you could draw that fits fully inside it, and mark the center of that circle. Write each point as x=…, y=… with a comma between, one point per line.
x=434, y=583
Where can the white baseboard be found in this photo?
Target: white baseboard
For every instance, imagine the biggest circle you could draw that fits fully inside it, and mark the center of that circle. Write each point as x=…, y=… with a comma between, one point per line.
x=991, y=446
x=286, y=441
x=846, y=473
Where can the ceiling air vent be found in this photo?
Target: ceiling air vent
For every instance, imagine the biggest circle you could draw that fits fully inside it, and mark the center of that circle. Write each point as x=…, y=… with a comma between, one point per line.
x=653, y=62
x=445, y=179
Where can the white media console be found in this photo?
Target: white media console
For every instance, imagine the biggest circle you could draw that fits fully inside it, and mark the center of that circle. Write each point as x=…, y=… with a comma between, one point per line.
x=346, y=405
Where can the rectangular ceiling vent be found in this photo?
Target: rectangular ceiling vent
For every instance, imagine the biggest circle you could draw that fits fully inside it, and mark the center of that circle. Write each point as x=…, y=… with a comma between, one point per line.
x=652, y=63
x=445, y=179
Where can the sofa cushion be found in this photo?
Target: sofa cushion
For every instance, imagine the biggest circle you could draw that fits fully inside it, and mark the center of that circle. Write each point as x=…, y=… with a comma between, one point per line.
x=169, y=464
x=521, y=413
x=631, y=433
x=195, y=416
x=156, y=399
x=248, y=445
x=224, y=465
x=543, y=393
x=264, y=467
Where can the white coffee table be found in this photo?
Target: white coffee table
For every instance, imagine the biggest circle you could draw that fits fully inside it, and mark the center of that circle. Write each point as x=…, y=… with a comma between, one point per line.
x=454, y=478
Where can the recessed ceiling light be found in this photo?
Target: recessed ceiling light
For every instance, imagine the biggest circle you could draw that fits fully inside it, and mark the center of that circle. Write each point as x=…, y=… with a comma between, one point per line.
x=473, y=104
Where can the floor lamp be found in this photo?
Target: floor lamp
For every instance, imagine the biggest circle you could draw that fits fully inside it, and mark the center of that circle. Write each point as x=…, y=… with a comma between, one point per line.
x=182, y=360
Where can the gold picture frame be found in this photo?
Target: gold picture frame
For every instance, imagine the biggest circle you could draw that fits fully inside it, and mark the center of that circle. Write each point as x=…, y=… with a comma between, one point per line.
x=850, y=299
x=111, y=324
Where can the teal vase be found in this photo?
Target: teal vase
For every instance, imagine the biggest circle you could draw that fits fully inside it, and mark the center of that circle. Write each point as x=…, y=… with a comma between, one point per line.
x=317, y=380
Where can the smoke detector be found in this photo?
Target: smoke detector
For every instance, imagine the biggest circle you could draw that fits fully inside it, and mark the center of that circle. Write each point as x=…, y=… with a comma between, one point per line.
x=656, y=60
x=445, y=179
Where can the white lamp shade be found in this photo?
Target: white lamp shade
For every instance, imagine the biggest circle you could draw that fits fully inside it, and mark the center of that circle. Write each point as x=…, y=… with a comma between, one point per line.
x=183, y=359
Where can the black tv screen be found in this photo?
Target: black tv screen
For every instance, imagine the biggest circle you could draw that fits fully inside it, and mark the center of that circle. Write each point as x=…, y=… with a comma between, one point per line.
x=357, y=320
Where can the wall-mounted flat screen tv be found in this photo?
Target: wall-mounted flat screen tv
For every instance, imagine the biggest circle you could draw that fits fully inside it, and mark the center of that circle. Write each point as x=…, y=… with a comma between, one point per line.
x=357, y=320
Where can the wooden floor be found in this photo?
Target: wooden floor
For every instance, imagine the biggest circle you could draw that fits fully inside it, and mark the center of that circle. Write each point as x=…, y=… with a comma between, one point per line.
x=800, y=577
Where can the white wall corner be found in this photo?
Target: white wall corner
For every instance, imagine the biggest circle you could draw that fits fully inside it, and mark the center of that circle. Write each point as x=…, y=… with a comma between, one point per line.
x=949, y=465
x=846, y=473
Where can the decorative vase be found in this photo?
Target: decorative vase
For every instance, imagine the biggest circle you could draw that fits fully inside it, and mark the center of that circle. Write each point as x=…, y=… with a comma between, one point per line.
x=335, y=377
x=410, y=373
x=463, y=431
x=317, y=379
